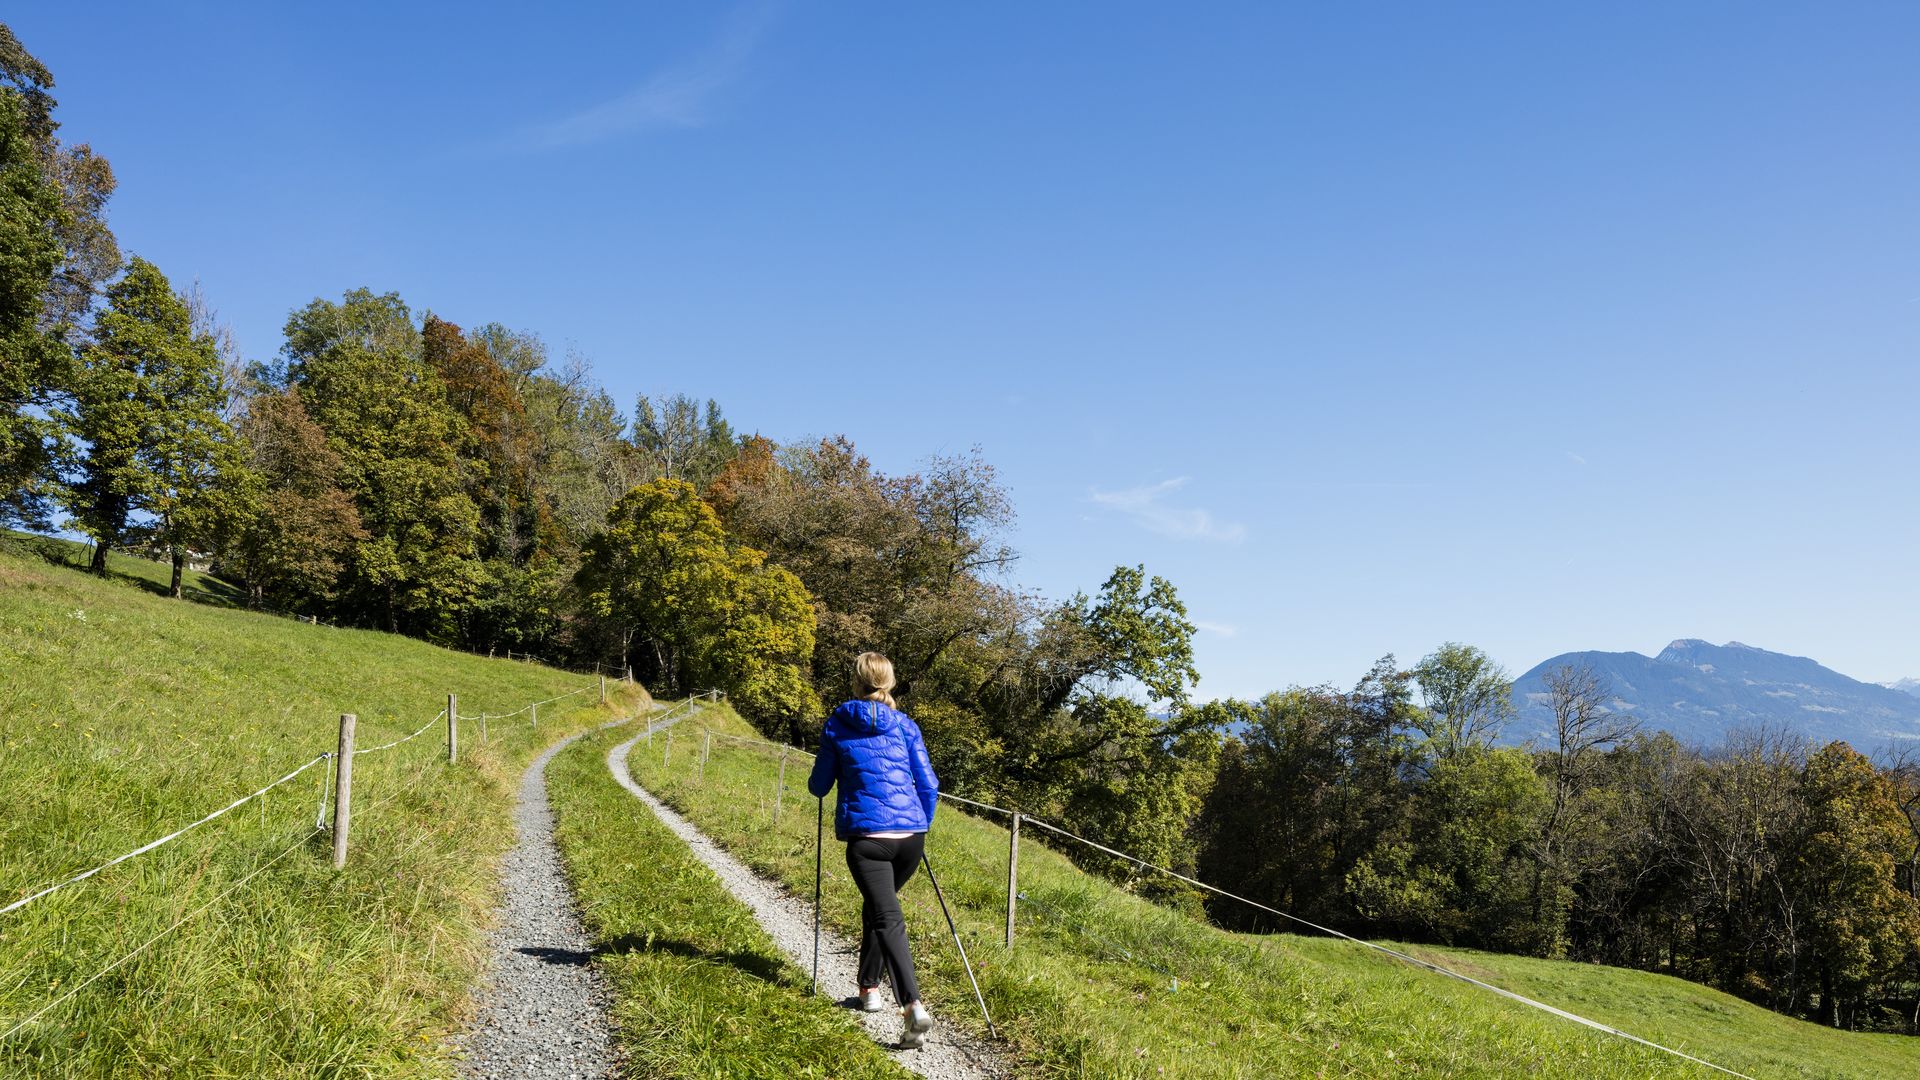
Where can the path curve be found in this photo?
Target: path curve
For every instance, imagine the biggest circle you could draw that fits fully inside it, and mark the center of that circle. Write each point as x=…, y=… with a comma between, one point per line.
x=543, y=1011
x=949, y=1054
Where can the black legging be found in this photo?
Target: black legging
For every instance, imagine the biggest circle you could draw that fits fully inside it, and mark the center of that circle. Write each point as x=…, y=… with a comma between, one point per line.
x=879, y=868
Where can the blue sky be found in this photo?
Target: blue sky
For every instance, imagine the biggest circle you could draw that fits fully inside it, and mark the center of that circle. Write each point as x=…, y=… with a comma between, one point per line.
x=1369, y=325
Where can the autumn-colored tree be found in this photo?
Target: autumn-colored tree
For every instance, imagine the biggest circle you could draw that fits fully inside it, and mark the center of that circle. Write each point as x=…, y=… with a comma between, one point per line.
x=498, y=455
x=759, y=641
x=752, y=469
x=651, y=571
x=294, y=547
x=902, y=565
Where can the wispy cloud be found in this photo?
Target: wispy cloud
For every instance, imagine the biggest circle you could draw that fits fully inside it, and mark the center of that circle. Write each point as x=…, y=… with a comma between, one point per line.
x=682, y=95
x=1576, y=458
x=1217, y=629
x=1148, y=507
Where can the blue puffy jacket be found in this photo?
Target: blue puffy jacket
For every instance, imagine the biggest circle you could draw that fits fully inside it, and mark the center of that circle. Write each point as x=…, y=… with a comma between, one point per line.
x=876, y=755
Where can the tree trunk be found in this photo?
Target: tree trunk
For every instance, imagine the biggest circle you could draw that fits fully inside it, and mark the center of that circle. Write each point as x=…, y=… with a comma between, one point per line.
x=99, y=564
x=179, y=569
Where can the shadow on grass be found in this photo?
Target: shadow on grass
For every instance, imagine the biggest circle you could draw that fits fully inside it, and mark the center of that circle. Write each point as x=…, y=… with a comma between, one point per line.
x=46, y=548
x=760, y=967
x=198, y=586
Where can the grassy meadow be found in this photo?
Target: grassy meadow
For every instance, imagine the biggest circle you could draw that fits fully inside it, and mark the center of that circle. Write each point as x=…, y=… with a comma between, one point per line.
x=1100, y=983
x=125, y=715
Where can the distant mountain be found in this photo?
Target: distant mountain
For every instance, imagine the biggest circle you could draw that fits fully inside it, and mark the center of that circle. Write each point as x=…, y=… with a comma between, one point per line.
x=1698, y=691
x=1905, y=686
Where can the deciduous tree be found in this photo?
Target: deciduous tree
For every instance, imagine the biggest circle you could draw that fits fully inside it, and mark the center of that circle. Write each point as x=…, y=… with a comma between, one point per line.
x=1469, y=698
x=1861, y=927
x=33, y=358
x=145, y=418
x=293, y=548
x=358, y=366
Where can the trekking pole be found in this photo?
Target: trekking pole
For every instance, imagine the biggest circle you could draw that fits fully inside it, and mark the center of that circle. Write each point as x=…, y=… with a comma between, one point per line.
x=964, y=962
x=819, y=825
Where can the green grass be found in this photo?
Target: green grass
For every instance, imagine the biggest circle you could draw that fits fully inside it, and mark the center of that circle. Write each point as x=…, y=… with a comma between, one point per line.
x=1089, y=987
x=701, y=989
x=125, y=715
x=154, y=577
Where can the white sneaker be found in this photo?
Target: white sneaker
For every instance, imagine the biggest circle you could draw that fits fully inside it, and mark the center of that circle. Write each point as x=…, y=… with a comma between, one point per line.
x=871, y=1000
x=916, y=1022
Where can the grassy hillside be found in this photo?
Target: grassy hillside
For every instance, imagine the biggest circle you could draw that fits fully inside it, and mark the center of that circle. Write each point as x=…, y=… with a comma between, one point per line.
x=153, y=577
x=1101, y=983
x=125, y=715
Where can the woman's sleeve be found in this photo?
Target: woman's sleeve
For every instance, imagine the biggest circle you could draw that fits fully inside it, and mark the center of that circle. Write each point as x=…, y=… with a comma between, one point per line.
x=923, y=778
x=826, y=766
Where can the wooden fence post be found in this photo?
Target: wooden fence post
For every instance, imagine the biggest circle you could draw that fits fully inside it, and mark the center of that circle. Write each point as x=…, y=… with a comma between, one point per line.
x=603, y=689
x=453, y=728
x=1013, y=873
x=536, y=714
x=706, y=745
x=343, y=791
x=668, y=758
x=780, y=787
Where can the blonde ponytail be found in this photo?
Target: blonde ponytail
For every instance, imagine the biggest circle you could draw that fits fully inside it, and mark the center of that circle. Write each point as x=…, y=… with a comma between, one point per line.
x=873, y=678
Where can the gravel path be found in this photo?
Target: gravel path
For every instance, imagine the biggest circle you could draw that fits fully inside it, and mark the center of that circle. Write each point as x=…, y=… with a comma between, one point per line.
x=948, y=1055
x=543, y=1012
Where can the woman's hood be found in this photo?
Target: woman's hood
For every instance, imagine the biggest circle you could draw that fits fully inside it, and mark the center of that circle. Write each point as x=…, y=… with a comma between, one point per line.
x=860, y=717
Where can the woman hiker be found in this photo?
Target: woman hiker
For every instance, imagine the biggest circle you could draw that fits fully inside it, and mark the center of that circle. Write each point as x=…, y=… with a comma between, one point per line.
x=887, y=796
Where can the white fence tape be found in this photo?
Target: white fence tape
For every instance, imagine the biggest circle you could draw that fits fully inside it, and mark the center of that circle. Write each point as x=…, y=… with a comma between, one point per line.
x=143, y=849
x=388, y=746
x=142, y=947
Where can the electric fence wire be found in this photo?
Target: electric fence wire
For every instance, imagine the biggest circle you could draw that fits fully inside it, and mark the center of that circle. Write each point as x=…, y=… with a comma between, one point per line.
x=319, y=827
x=404, y=738
x=1437, y=969
x=319, y=820
x=521, y=709
x=143, y=946
x=176, y=834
